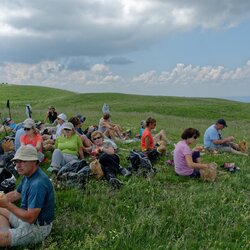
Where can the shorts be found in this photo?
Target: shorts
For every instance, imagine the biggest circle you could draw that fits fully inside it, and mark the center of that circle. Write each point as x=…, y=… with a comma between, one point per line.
x=23, y=233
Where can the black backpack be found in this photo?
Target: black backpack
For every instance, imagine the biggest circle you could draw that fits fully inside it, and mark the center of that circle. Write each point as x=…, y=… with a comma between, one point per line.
x=7, y=181
x=140, y=163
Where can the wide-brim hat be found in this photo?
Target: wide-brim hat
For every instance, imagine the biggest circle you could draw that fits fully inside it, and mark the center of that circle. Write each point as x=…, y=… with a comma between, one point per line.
x=29, y=123
x=26, y=153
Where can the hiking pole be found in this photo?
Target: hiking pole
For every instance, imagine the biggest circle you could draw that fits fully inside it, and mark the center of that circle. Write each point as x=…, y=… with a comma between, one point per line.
x=8, y=107
x=3, y=124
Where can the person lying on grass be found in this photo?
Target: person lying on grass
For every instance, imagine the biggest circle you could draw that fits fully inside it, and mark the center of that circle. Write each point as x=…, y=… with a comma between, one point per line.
x=213, y=139
x=186, y=161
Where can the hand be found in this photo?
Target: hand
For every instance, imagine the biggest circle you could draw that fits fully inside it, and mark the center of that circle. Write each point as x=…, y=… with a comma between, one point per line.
x=230, y=138
x=3, y=200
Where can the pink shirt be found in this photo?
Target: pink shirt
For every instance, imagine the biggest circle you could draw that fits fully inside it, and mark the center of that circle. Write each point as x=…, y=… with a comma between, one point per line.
x=180, y=164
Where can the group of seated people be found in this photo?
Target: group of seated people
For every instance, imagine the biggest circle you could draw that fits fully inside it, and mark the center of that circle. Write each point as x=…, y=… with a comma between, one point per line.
x=70, y=144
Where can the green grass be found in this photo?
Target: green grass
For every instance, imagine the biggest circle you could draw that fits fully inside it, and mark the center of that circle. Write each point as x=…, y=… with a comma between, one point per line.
x=167, y=212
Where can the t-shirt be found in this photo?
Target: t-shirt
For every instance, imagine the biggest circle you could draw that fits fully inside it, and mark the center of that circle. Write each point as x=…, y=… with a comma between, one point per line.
x=37, y=192
x=69, y=145
x=147, y=133
x=180, y=164
x=32, y=141
x=211, y=134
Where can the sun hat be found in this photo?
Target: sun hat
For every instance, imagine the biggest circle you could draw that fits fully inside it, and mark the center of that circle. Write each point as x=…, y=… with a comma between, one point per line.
x=68, y=125
x=62, y=117
x=222, y=122
x=29, y=123
x=26, y=153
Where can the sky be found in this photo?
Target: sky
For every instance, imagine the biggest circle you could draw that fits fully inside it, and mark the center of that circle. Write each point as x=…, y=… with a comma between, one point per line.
x=194, y=48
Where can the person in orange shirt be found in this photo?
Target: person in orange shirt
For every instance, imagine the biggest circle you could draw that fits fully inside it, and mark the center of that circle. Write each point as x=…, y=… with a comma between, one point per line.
x=32, y=137
x=148, y=142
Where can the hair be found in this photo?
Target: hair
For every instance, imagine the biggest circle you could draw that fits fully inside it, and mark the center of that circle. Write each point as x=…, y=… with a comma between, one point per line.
x=95, y=133
x=150, y=120
x=74, y=120
x=106, y=116
x=189, y=133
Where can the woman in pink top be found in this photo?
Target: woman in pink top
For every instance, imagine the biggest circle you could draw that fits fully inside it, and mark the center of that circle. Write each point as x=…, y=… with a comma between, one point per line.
x=32, y=137
x=186, y=161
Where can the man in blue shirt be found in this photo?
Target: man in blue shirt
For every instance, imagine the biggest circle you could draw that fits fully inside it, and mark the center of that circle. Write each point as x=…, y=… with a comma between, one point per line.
x=213, y=139
x=32, y=222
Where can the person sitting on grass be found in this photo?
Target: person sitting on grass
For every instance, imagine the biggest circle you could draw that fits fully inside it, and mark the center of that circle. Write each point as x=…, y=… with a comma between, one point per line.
x=186, y=161
x=109, y=129
x=213, y=139
x=33, y=137
x=149, y=143
x=77, y=125
x=109, y=160
x=32, y=222
x=68, y=147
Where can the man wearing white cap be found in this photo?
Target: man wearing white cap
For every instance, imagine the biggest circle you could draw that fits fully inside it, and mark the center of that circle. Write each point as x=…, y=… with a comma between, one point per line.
x=32, y=222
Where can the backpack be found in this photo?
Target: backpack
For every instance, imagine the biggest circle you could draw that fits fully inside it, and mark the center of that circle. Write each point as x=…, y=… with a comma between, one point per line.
x=7, y=181
x=141, y=164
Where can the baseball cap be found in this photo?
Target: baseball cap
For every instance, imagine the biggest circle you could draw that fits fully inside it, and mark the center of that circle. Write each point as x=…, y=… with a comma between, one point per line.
x=68, y=125
x=62, y=117
x=82, y=118
x=26, y=153
x=222, y=122
x=6, y=120
x=29, y=123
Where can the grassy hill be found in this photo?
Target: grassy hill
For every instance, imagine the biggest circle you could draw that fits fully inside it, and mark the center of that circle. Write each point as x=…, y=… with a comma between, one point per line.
x=166, y=212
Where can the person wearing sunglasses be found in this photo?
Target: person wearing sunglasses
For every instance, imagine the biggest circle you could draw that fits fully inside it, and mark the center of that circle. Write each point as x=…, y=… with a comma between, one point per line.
x=68, y=147
x=32, y=137
x=104, y=151
x=186, y=161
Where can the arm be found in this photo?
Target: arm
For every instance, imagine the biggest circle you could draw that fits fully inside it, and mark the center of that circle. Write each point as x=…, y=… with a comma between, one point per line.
x=195, y=165
x=29, y=215
x=147, y=143
x=80, y=152
x=222, y=141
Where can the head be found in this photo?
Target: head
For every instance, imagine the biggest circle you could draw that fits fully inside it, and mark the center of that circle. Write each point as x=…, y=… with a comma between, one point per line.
x=190, y=135
x=151, y=123
x=61, y=118
x=106, y=116
x=220, y=124
x=82, y=118
x=29, y=126
x=51, y=108
x=26, y=160
x=7, y=121
x=75, y=121
x=39, y=125
x=97, y=137
x=68, y=129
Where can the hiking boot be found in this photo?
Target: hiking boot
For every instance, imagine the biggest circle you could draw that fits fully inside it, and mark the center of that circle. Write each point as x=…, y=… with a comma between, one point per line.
x=116, y=184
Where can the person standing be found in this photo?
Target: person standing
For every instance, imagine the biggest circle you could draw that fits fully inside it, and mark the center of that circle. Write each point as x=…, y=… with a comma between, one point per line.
x=32, y=222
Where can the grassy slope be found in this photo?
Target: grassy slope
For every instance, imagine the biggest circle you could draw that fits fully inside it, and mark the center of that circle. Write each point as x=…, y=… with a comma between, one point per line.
x=167, y=212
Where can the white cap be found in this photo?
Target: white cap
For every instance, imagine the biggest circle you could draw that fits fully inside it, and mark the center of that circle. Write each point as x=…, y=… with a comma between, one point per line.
x=62, y=117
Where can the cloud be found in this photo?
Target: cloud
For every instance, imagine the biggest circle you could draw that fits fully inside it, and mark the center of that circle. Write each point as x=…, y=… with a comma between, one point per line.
x=118, y=61
x=33, y=31
x=182, y=79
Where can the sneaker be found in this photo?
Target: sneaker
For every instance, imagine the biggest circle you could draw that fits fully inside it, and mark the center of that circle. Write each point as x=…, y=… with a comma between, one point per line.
x=115, y=183
x=125, y=172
